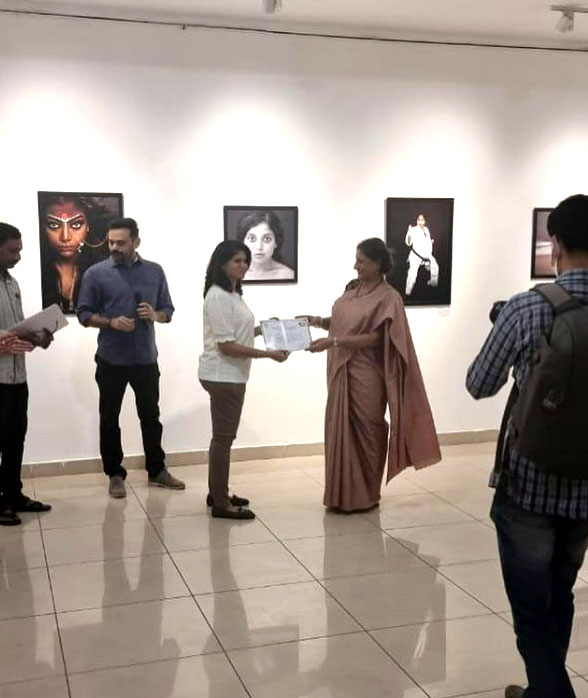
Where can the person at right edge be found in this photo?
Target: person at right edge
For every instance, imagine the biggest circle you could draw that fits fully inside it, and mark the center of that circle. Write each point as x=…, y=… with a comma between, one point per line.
x=541, y=518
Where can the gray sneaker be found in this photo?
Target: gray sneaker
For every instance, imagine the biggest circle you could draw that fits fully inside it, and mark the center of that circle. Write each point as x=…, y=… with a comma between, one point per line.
x=514, y=692
x=116, y=488
x=167, y=480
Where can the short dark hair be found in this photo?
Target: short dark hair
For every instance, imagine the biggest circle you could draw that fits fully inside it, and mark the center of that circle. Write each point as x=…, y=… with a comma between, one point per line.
x=215, y=274
x=129, y=223
x=376, y=250
x=273, y=222
x=8, y=232
x=568, y=222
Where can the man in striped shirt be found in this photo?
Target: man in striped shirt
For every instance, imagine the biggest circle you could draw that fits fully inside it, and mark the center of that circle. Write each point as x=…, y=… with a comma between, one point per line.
x=13, y=385
x=541, y=519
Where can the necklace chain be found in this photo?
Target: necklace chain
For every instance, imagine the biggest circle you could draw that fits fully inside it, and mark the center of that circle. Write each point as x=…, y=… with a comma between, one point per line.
x=373, y=288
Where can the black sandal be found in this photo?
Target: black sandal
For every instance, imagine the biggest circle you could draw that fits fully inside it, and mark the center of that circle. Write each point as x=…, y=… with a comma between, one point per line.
x=219, y=513
x=235, y=501
x=30, y=506
x=8, y=517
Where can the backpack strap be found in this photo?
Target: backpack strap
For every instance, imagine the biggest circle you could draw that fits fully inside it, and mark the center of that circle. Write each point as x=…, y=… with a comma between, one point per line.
x=502, y=445
x=557, y=297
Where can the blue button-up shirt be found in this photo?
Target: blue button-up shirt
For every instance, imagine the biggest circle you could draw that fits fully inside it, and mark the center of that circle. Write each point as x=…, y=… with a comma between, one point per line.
x=111, y=290
x=513, y=341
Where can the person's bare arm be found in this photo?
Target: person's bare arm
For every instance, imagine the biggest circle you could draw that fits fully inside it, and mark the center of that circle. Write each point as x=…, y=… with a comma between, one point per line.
x=358, y=341
x=10, y=344
x=243, y=352
x=145, y=311
x=323, y=323
x=121, y=323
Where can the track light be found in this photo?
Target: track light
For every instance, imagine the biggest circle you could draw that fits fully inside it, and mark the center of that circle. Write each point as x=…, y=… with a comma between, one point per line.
x=271, y=6
x=565, y=22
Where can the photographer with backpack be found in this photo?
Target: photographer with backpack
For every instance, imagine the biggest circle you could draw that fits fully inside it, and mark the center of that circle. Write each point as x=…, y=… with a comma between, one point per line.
x=540, y=507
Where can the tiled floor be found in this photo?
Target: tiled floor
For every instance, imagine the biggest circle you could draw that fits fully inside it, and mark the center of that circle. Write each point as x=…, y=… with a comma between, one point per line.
x=149, y=597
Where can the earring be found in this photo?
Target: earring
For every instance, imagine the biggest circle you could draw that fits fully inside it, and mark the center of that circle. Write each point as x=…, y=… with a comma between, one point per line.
x=99, y=244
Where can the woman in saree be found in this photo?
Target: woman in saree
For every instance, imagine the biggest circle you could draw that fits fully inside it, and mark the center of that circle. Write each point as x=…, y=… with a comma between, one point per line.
x=371, y=367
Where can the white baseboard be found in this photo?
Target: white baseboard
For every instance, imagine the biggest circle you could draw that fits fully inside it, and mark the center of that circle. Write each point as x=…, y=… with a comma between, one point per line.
x=238, y=453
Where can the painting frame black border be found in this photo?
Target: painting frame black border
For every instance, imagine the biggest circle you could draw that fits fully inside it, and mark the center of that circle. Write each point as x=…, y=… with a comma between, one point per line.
x=290, y=209
x=420, y=203
x=534, y=275
x=73, y=194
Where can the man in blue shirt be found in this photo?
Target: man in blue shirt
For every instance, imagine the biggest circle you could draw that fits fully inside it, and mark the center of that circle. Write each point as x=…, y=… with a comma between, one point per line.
x=124, y=296
x=541, y=519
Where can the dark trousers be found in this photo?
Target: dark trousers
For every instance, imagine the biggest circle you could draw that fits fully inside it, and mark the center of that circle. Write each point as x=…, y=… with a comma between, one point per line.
x=14, y=400
x=112, y=382
x=540, y=557
x=226, y=405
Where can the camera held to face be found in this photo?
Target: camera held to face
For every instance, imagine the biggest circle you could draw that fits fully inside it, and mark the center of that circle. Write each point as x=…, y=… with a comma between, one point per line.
x=497, y=306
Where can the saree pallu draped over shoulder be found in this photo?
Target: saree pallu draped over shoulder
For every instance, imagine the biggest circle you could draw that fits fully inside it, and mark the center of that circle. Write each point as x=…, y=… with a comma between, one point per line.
x=361, y=385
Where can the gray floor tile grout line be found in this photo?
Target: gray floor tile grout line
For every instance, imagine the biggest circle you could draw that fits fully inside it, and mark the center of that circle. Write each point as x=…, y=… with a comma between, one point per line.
x=192, y=596
x=349, y=613
x=169, y=553
x=55, y=615
x=437, y=570
x=363, y=629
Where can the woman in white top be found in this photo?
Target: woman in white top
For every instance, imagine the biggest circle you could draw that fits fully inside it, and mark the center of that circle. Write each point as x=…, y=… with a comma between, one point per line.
x=224, y=367
x=418, y=238
x=263, y=234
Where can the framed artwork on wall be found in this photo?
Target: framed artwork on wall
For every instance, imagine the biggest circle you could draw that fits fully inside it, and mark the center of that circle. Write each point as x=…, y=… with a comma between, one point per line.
x=420, y=234
x=72, y=236
x=541, y=267
x=271, y=233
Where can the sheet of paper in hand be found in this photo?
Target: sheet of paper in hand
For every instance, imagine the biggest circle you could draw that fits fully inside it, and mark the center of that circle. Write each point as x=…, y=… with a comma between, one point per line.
x=50, y=319
x=286, y=335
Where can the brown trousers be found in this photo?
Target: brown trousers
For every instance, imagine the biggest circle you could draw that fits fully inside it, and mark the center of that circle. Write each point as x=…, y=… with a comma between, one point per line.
x=226, y=405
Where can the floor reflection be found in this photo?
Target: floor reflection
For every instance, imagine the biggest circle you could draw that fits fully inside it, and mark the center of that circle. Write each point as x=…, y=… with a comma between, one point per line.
x=427, y=639
x=98, y=639
x=262, y=631
x=29, y=644
x=157, y=600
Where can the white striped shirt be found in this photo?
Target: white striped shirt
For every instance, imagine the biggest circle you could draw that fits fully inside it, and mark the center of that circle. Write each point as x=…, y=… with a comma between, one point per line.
x=12, y=366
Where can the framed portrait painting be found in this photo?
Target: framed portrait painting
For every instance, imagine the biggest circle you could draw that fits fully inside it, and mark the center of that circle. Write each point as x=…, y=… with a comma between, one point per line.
x=271, y=233
x=420, y=234
x=72, y=235
x=541, y=267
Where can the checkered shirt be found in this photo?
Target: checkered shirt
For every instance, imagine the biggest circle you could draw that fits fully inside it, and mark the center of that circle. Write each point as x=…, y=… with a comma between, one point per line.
x=513, y=341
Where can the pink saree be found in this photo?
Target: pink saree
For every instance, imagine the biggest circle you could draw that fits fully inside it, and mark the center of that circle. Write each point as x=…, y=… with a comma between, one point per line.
x=361, y=385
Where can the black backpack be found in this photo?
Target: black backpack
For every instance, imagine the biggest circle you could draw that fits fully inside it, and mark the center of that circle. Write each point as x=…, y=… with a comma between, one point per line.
x=549, y=418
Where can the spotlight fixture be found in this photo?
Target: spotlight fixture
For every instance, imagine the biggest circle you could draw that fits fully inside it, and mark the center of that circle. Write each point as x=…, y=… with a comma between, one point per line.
x=271, y=6
x=565, y=22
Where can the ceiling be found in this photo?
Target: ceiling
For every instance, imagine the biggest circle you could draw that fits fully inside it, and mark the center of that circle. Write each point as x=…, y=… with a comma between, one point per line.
x=519, y=22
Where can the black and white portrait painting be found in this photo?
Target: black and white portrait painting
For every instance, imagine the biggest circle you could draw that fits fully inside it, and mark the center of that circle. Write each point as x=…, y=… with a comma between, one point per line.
x=420, y=231
x=541, y=267
x=271, y=233
x=72, y=236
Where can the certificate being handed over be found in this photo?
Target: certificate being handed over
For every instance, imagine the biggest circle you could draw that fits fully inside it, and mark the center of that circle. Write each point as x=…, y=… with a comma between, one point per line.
x=286, y=335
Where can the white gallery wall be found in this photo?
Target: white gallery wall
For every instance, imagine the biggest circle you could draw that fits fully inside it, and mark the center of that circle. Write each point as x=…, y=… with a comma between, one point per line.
x=184, y=122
